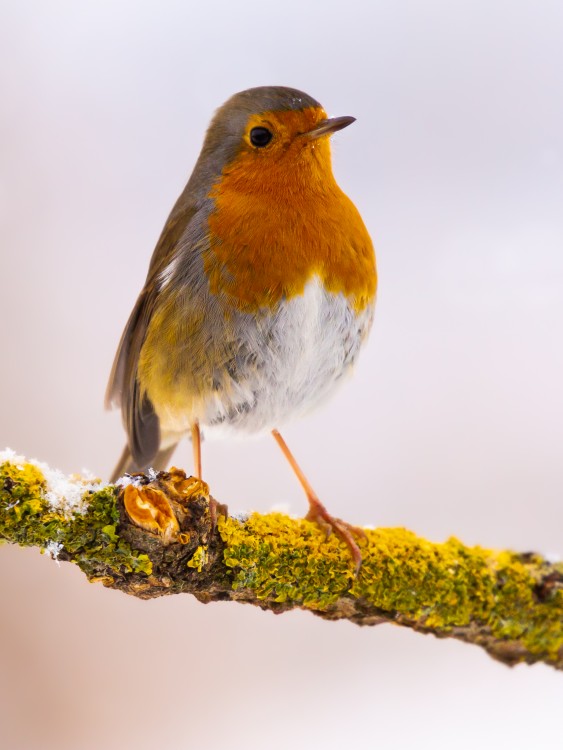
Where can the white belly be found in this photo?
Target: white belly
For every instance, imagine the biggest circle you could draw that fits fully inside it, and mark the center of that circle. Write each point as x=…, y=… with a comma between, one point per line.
x=291, y=361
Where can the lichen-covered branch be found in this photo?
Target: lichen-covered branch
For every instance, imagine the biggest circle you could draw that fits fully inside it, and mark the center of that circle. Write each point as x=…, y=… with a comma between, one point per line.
x=153, y=535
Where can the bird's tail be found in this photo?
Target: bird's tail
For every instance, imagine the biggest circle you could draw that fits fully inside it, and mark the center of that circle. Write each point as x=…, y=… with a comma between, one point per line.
x=127, y=465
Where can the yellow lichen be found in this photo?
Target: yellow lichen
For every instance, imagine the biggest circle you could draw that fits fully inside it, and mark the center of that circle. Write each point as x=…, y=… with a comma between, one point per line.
x=198, y=559
x=89, y=536
x=283, y=559
x=436, y=586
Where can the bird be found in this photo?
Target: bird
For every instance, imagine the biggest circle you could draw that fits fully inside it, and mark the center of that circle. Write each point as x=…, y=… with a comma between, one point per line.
x=259, y=296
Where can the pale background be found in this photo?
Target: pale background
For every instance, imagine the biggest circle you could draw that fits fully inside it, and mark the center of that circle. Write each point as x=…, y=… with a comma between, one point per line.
x=453, y=423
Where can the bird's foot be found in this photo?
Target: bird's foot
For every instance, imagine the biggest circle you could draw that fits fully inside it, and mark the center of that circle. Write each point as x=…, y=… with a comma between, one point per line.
x=344, y=531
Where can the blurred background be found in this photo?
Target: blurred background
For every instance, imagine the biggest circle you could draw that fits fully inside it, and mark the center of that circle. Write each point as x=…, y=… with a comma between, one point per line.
x=453, y=423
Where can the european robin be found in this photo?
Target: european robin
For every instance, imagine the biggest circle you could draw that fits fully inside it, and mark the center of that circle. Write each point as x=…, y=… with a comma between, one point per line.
x=259, y=295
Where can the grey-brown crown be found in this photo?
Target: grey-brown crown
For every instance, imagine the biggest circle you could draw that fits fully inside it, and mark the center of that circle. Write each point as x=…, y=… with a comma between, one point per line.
x=264, y=98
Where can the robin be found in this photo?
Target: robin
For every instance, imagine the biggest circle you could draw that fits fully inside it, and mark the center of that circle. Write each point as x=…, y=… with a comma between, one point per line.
x=259, y=295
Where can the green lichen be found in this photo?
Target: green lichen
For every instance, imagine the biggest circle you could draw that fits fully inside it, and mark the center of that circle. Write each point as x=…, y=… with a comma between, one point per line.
x=436, y=586
x=93, y=540
x=90, y=538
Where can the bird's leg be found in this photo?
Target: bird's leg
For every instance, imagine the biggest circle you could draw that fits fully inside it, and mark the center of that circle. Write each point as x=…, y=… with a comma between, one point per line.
x=317, y=511
x=196, y=447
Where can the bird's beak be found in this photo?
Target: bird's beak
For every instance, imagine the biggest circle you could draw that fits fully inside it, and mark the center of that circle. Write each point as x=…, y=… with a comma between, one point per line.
x=328, y=127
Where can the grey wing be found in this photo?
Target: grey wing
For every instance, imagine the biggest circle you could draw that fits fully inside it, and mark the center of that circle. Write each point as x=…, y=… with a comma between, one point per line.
x=139, y=417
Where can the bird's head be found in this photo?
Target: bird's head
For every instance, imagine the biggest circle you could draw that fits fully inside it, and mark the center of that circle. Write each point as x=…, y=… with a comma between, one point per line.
x=270, y=136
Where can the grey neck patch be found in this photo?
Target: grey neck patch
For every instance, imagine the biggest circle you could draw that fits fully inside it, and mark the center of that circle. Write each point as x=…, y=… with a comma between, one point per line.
x=224, y=135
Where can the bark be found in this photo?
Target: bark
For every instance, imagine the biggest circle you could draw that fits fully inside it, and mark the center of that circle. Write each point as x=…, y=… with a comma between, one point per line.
x=155, y=535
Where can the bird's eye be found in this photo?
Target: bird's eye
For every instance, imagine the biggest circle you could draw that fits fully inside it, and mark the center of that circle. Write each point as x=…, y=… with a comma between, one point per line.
x=260, y=137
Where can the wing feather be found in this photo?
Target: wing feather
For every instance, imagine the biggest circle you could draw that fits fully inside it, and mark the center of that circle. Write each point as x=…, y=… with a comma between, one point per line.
x=123, y=390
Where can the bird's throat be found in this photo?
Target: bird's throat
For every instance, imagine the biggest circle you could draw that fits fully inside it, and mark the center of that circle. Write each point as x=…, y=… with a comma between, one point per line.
x=266, y=244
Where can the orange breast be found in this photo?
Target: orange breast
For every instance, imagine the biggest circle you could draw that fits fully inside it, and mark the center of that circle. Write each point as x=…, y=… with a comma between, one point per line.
x=274, y=229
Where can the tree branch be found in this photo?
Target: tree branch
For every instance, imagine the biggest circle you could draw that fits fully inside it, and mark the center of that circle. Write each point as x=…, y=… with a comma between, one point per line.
x=153, y=535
